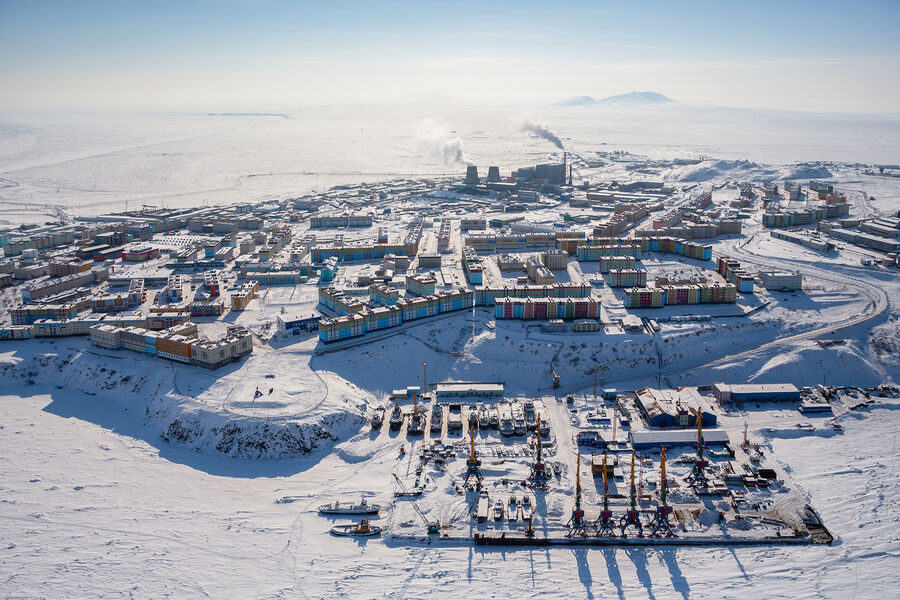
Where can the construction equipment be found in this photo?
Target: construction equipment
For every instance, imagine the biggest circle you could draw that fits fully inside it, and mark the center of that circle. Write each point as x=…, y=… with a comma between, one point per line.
x=576, y=521
x=660, y=522
x=417, y=420
x=555, y=378
x=539, y=471
x=604, y=522
x=430, y=526
x=595, y=369
x=632, y=517
x=473, y=463
x=698, y=477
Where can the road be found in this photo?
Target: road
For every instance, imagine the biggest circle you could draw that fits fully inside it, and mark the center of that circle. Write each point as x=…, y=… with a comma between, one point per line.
x=879, y=304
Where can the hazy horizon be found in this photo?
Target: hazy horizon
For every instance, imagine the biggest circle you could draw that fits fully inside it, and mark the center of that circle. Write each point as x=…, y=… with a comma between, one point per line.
x=264, y=56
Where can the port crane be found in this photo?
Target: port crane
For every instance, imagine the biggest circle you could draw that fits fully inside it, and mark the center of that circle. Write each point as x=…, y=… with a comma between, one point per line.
x=698, y=477
x=632, y=516
x=539, y=467
x=430, y=526
x=604, y=522
x=473, y=463
x=660, y=522
x=576, y=521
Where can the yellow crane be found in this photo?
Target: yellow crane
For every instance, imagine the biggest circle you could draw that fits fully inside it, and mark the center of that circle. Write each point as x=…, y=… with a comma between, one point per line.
x=698, y=477
x=576, y=521
x=473, y=462
x=632, y=517
x=660, y=522
x=604, y=522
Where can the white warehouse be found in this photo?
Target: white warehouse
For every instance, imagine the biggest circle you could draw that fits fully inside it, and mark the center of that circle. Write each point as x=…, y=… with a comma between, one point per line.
x=781, y=280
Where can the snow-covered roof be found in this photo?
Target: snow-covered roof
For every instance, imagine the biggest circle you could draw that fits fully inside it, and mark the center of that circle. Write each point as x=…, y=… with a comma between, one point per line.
x=678, y=437
x=469, y=387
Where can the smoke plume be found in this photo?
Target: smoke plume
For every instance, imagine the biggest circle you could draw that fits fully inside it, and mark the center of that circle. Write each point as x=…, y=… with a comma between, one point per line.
x=436, y=142
x=538, y=128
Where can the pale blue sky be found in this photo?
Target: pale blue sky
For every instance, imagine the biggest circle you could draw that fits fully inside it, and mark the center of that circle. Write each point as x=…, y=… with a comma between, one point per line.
x=274, y=55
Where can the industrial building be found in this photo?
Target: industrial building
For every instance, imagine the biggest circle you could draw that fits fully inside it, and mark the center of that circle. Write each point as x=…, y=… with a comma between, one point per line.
x=469, y=390
x=768, y=392
x=866, y=240
x=647, y=440
x=674, y=407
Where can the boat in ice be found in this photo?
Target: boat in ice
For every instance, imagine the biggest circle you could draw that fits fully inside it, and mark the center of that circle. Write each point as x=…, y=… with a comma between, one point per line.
x=494, y=417
x=483, y=508
x=361, y=529
x=513, y=510
x=437, y=417
x=519, y=419
x=377, y=417
x=526, y=508
x=507, y=426
x=454, y=417
x=416, y=423
x=484, y=417
x=530, y=415
x=396, y=418
x=349, y=508
x=473, y=417
x=498, y=510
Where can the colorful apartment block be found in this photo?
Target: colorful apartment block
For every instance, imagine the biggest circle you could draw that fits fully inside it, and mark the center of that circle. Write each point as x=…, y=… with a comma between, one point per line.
x=472, y=265
x=384, y=295
x=125, y=300
x=206, y=308
x=700, y=293
x=340, y=221
x=443, y=236
x=608, y=263
x=383, y=317
x=627, y=277
x=340, y=303
x=140, y=254
x=546, y=308
x=242, y=296
x=420, y=284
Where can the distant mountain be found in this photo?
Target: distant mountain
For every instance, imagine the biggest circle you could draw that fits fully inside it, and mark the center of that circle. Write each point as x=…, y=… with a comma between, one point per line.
x=578, y=101
x=629, y=99
x=637, y=98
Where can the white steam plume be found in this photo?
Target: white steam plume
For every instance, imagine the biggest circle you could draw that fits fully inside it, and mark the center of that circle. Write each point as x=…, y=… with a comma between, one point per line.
x=436, y=142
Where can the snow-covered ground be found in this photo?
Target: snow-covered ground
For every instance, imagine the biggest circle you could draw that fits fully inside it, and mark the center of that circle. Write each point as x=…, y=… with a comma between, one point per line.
x=92, y=163
x=91, y=508
x=125, y=476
